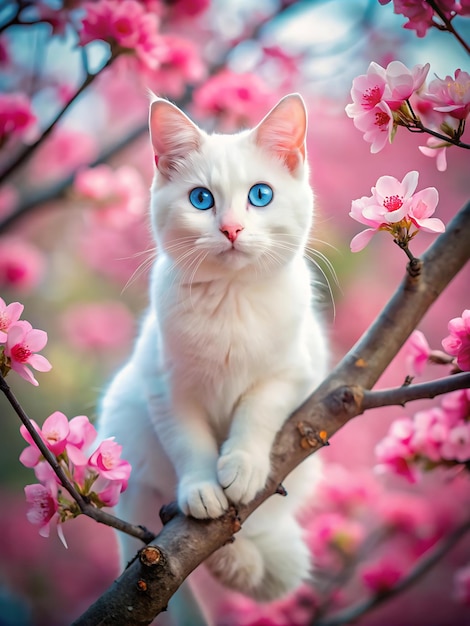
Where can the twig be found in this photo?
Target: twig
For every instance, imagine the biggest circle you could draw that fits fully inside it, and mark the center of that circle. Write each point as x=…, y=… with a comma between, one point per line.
x=448, y=24
x=85, y=507
x=432, y=556
x=407, y=393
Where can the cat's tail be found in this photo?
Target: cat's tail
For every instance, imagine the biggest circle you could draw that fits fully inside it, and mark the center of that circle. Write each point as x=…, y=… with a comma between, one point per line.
x=264, y=563
x=269, y=557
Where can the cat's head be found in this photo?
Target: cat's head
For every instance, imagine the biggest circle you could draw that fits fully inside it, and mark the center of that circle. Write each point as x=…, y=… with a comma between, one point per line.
x=224, y=203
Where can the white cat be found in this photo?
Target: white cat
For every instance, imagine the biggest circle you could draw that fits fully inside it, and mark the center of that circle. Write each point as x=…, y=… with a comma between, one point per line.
x=231, y=343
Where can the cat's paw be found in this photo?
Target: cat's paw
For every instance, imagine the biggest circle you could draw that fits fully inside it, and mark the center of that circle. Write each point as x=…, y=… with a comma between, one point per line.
x=203, y=500
x=242, y=475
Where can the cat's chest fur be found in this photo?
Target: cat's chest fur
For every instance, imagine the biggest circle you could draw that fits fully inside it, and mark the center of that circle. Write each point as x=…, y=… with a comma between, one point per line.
x=219, y=336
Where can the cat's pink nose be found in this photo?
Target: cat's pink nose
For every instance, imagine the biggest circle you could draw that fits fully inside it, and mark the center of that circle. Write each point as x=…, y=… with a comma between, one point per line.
x=231, y=231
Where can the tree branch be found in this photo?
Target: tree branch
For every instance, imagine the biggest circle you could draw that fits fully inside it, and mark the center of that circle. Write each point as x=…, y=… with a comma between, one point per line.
x=184, y=542
x=448, y=24
x=31, y=149
x=433, y=556
x=407, y=393
x=86, y=507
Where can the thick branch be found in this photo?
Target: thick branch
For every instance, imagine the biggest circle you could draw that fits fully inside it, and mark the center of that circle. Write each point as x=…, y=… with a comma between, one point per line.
x=184, y=543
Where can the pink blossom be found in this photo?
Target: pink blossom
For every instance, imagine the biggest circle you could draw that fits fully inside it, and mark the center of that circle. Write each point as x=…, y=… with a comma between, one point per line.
x=22, y=264
x=60, y=436
x=462, y=585
x=119, y=195
x=43, y=506
x=23, y=341
x=431, y=429
x=420, y=208
x=456, y=446
x=379, y=92
x=54, y=433
x=395, y=453
x=458, y=342
x=367, y=91
x=377, y=126
x=419, y=13
x=345, y=491
x=108, y=492
x=236, y=100
x=330, y=532
x=181, y=65
x=395, y=207
x=16, y=115
x=107, y=462
x=81, y=435
x=451, y=95
x=456, y=406
x=9, y=314
x=436, y=148
x=125, y=24
x=391, y=198
x=382, y=575
x=98, y=326
x=464, y=7
x=417, y=352
x=403, y=82
x=181, y=9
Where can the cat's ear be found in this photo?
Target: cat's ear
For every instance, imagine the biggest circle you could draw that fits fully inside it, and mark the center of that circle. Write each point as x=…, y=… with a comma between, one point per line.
x=283, y=131
x=173, y=135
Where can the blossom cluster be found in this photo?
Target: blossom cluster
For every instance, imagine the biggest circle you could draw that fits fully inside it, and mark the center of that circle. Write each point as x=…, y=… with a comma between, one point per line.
x=439, y=436
x=421, y=15
x=385, y=98
x=127, y=26
x=100, y=476
x=396, y=208
x=19, y=343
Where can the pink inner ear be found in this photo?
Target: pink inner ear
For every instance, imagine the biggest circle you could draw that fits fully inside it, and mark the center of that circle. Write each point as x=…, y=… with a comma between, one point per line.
x=157, y=158
x=283, y=131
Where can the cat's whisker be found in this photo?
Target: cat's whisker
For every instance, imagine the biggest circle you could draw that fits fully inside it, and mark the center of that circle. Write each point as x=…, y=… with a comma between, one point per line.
x=199, y=260
x=310, y=253
x=141, y=269
x=326, y=261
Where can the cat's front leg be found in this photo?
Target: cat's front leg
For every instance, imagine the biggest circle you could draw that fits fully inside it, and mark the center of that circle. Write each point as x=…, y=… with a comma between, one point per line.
x=244, y=463
x=189, y=443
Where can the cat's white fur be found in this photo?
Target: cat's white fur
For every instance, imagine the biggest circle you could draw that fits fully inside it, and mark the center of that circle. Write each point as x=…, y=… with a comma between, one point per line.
x=230, y=346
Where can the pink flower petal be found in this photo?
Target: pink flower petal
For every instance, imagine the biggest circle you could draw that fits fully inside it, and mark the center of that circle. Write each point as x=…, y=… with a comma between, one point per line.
x=360, y=241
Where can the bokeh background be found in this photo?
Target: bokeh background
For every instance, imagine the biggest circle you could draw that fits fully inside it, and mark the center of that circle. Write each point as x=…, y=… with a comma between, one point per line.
x=80, y=267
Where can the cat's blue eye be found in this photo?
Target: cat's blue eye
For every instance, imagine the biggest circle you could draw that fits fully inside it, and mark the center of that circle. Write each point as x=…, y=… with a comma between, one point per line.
x=260, y=194
x=201, y=198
